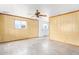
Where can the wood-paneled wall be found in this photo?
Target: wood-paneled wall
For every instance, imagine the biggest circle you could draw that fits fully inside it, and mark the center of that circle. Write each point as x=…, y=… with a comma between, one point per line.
x=8, y=32
x=65, y=28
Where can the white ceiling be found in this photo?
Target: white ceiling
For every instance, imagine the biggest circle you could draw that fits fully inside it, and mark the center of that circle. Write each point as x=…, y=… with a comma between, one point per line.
x=54, y=9
x=28, y=10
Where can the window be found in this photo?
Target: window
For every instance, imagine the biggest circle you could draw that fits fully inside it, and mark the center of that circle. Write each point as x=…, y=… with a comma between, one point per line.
x=20, y=24
x=45, y=27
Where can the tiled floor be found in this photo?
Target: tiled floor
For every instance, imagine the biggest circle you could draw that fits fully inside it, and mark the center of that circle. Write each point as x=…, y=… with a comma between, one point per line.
x=37, y=46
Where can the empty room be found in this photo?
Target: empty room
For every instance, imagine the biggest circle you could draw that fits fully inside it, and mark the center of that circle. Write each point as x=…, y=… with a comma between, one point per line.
x=39, y=29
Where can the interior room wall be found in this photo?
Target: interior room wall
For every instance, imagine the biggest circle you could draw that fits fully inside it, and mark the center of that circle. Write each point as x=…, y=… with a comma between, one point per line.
x=65, y=28
x=8, y=31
